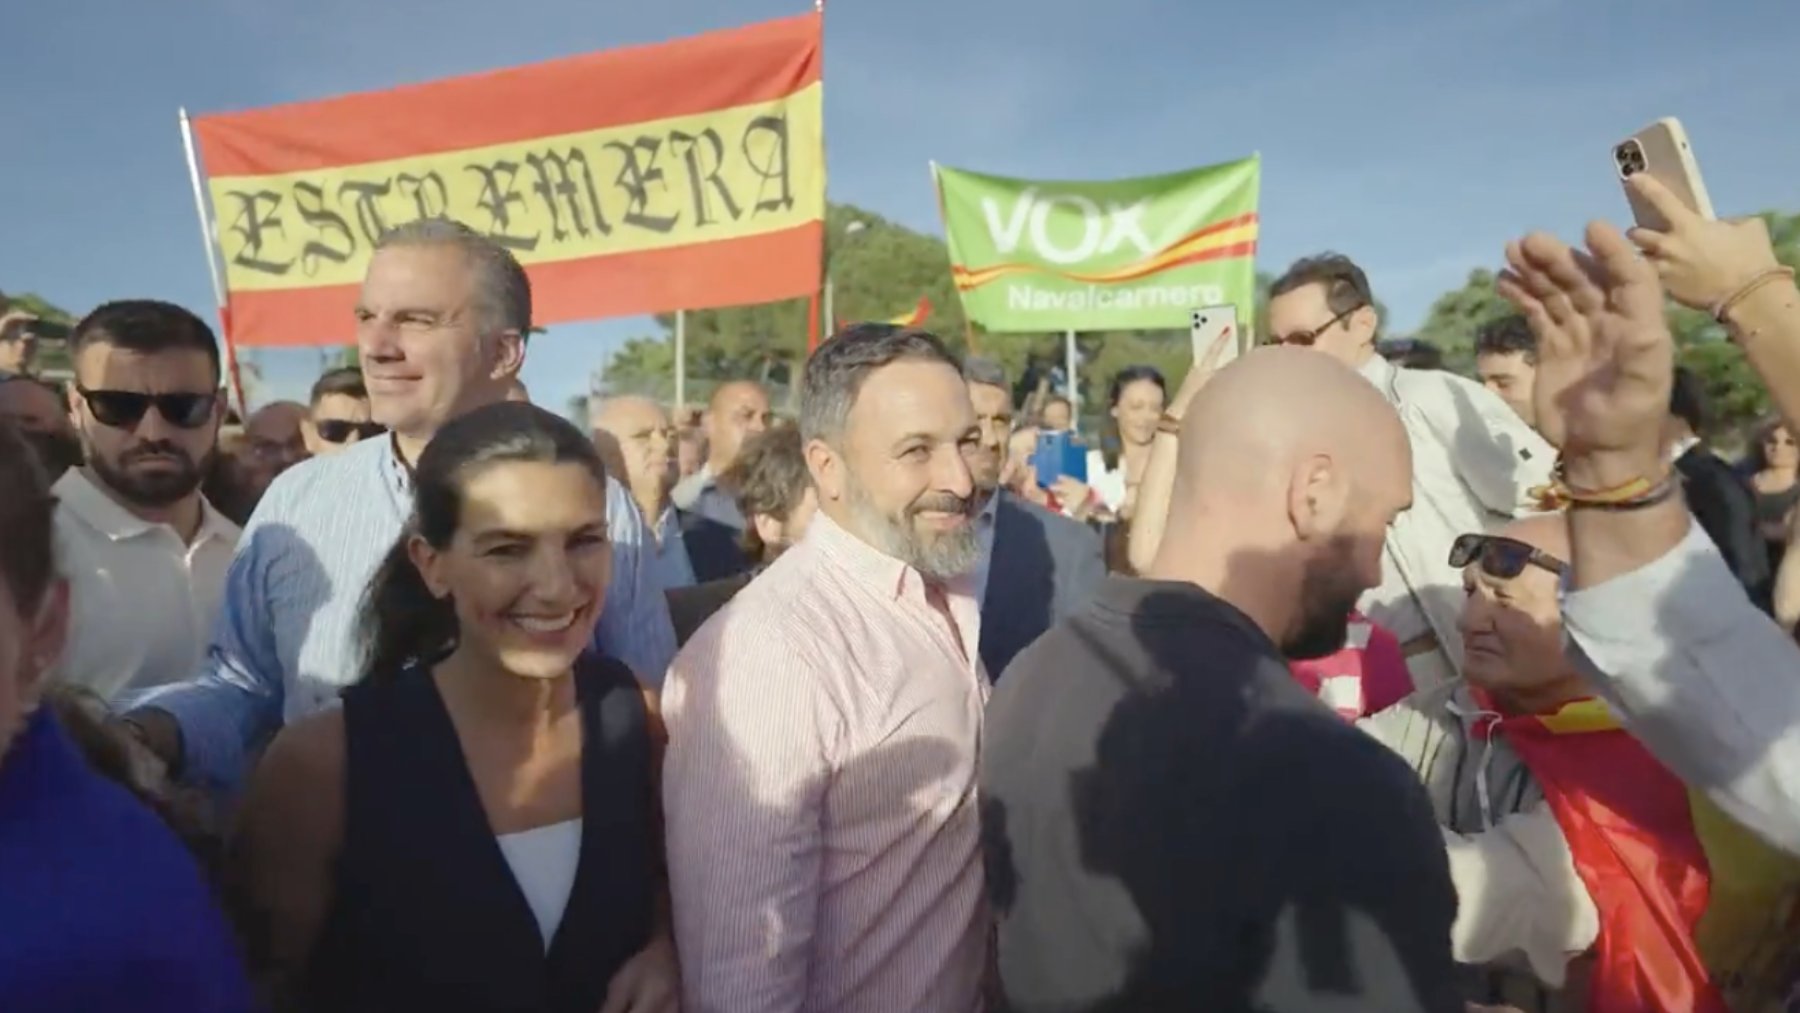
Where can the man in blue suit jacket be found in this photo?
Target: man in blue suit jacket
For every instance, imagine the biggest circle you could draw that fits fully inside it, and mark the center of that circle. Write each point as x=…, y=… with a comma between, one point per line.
x=1037, y=566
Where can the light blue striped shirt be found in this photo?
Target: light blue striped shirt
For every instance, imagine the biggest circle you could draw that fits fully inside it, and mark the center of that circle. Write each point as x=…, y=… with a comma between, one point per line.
x=286, y=640
x=673, y=568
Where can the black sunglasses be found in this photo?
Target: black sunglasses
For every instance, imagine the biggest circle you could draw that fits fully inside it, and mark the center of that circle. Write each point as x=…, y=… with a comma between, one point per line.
x=339, y=430
x=1305, y=338
x=1503, y=558
x=124, y=409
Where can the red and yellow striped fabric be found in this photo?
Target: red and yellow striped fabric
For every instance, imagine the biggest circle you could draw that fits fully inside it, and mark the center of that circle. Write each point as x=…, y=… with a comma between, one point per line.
x=684, y=175
x=1696, y=914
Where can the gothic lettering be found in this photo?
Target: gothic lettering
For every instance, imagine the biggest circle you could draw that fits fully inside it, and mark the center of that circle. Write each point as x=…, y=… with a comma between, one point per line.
x=422, y=190
x=635, y=178
x=700, y=176
x=499, y=197
x=767, y=137
x=564, y=190
x=309, y=200
x=367, y=197
x=255, y=220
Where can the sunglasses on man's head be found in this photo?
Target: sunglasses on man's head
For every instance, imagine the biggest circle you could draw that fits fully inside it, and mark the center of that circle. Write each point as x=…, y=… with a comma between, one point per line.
x=339, y=430
x=124, y=409
x=1501, y=557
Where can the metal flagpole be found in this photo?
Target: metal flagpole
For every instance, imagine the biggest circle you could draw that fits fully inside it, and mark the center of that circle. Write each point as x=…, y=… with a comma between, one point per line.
x=1069, y=357
x=212, y=265
x=681, y=364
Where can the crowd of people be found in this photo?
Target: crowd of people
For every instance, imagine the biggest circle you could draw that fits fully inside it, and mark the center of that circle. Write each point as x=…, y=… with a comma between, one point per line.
x=1331, y=682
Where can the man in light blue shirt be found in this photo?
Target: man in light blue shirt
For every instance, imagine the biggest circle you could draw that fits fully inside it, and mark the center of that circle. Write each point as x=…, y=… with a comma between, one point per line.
x=637, y=442
x=440, y=327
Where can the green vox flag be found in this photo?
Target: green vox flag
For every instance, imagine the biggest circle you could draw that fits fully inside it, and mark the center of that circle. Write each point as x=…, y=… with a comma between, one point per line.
x=1125, y=254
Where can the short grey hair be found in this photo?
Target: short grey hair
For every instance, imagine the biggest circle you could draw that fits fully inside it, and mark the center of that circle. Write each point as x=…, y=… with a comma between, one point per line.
x=836, y=371
x=502, y=290
x=984, y=371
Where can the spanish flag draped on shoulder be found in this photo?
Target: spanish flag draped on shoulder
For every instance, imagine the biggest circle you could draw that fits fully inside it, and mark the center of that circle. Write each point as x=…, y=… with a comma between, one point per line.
x=1696, y=914
x=684, y=175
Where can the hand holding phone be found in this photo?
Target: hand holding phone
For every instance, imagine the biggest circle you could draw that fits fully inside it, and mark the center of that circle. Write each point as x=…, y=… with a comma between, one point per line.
x=1060, y=454
x=1661, y=151
x=1701, y=260
x=1217, y=342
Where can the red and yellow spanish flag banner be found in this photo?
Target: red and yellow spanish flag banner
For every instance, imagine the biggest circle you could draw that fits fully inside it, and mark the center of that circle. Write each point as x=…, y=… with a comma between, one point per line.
x=685, y=175
x=1697, y=915
x=914, y=318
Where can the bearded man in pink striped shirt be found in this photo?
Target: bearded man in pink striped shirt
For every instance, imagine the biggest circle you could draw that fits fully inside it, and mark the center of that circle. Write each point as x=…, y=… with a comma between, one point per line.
x=825, y=727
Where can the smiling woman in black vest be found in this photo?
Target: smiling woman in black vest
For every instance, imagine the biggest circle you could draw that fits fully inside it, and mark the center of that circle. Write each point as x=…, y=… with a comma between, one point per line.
x=476, y=829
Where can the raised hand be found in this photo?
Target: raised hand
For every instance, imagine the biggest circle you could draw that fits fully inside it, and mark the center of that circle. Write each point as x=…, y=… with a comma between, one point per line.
x=1701, y=261
x=1605, y=356
x=1202, y=370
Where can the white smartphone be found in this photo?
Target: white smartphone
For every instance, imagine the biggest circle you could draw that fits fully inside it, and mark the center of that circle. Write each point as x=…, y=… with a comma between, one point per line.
x=1211, y=322
x=1662, y=150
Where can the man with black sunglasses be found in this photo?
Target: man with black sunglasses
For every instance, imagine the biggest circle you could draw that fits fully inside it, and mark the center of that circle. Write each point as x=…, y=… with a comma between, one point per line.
x=145, y=553
x=338, y=416
x=1475, y=462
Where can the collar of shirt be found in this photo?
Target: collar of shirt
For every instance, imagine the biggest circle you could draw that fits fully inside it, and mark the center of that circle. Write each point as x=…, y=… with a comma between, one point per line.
x=988, y=510
x=1681, y=447
x=104, y=514
x=396, y=472
x=891, y=577
x=1379, y=372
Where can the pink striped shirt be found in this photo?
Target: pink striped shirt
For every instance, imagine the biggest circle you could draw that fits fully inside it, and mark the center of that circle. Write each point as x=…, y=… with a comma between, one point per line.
x=819, y=789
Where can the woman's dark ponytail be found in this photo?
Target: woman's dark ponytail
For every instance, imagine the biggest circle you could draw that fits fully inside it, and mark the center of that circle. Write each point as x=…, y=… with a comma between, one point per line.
x=402, y=621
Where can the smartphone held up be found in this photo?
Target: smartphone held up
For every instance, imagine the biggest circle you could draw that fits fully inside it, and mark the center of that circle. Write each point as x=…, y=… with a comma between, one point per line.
x=1212, y=325
x=1661, y=150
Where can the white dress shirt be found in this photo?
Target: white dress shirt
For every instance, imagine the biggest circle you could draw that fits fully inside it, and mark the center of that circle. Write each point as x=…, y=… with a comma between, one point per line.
x=1475, y=464
x=1703, y=678
x=143, y=601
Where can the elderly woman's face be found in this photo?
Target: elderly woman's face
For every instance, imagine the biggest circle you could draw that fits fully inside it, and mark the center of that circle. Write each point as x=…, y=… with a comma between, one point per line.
x=31, y=640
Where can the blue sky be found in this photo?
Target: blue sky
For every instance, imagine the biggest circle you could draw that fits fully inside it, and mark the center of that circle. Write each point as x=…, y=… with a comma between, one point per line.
x=1416, y=137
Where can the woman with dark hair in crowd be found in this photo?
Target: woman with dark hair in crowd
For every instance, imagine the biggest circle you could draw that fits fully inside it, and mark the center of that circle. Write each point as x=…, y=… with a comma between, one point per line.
x=1774, y=461
x=101, y=908
x=1134, y=404
x=476, y=829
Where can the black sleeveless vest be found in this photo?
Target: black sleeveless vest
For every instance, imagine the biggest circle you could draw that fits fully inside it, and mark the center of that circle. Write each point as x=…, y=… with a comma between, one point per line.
x=427, y=915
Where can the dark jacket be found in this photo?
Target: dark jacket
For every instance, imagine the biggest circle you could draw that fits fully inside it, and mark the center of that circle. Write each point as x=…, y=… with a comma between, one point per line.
x=1045, y=567
x=691, y=607
x=1726, y=510
x=712, y=547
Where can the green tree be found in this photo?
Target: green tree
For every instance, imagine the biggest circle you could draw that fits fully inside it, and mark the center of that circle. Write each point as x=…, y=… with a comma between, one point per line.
x=1454, y=318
